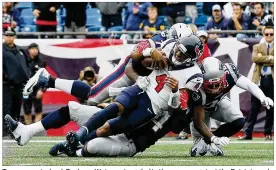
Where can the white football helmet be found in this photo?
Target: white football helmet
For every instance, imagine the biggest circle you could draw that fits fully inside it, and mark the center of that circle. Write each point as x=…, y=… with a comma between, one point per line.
x=179, y=30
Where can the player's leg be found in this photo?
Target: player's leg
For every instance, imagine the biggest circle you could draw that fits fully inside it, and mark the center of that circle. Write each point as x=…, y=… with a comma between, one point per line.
x=112, y=146
x=126, y=101
x=199, y=147
x=231, y=115
x=116, y=79
x=74, y=111
x=43, y=79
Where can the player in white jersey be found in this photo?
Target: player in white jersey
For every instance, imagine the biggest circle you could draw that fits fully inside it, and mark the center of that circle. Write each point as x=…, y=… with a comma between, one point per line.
x=211, y=102
x=98, y=93
x=136, y=107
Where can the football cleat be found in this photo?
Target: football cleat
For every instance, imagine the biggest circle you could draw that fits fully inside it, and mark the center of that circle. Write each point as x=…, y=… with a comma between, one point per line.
x=18, y=131
x=40, y=79
x=69, y=150
x=72, y=139
x=199, y=148
x=215, y=150
x=57, y=149
x=182, y=135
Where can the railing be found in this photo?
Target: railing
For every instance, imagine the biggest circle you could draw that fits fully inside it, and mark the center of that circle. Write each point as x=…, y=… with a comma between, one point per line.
x=39, y=34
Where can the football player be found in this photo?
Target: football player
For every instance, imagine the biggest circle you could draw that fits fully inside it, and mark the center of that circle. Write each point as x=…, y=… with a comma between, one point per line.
x=211, y=102
x=98, y=93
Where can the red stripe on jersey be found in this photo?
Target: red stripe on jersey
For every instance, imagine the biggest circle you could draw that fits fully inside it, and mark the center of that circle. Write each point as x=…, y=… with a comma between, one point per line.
x=184, y=96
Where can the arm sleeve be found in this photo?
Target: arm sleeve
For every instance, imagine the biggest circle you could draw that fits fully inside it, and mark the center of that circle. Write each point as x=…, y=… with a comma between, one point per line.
x=262, y=59
x=126, y=17
x=248, y=85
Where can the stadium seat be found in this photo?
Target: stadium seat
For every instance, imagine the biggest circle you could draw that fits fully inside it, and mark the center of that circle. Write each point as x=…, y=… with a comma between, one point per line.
x=24, y=5
x=60, y=21
x=188, y=20
x=93, y=21
x=92, y=11
x=95, y=28
x=201, y=28
x=27, y=20
x=199, y=6
x=28, y=28
x=115, y=28
x=27, y=12
x=201, y=20
x=164, y=20
x=60, y=28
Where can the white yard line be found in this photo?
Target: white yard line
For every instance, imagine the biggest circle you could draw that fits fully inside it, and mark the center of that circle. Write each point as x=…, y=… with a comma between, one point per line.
x=158, y=143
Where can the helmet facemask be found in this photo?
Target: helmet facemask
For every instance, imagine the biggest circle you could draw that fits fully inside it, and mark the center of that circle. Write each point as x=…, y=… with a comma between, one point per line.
x=214, y=86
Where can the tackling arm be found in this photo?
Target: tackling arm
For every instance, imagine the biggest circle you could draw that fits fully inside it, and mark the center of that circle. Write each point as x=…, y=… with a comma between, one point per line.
x=248, y=85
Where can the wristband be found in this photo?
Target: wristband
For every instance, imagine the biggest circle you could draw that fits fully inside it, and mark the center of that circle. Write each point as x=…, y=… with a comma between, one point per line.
x=174, y=100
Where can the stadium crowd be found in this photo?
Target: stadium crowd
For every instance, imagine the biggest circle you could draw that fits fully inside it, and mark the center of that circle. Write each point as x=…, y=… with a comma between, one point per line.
x=135, y=16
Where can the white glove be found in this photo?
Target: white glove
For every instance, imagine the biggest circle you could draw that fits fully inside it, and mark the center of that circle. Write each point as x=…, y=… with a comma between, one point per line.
x=223, y=141
x=267, y=102
x=143, y=82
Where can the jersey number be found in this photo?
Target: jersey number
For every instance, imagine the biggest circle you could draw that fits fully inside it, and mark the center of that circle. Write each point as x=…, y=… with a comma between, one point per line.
x=159, y=124
x=160, y=82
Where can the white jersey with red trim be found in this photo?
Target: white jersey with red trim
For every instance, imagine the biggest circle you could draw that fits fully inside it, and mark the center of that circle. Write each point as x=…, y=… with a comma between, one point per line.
x=189, y=78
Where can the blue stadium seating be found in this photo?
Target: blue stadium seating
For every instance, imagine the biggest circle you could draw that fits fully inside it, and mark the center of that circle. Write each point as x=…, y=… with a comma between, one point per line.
x=24, y=5
x=60, y=21
x=93, y=21
x=27, y=12
x=188, y=20
x=92, y=12
x=60, y=28
x=95, y=28
x=201, y=20
x=115, y=28
x=164, y=20
x=199, y=6
x=28, y=28
x=27, y=20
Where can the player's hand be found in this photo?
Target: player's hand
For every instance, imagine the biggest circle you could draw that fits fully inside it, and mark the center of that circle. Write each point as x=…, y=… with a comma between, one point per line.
x=223, y=141
x=159, y=59
x=143, y=82
x=172, y=83
x=267, y=102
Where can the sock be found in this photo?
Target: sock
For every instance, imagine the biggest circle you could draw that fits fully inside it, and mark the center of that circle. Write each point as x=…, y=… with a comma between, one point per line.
x=98, y=119
x=64, y=85
x=36, y=128
x=79, y=153
x=92, y=135
x=229, y=129
x=56, y=119
x=51, y=82
x=80, y=89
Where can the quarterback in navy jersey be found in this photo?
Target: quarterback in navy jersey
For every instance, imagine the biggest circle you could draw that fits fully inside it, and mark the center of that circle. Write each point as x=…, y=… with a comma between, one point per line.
x=210, y=101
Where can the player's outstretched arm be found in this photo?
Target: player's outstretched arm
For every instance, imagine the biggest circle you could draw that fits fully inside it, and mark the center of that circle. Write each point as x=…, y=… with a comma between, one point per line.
x=199, y=117
x=248, y=85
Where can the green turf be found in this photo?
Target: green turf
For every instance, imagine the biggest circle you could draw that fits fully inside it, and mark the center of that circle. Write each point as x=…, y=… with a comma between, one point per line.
x=159, y=155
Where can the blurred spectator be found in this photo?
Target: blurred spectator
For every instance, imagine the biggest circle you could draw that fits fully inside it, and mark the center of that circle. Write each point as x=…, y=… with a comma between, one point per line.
x=239, y=21
x=206, y=51
x=75, y=18
x=152, y=24
x=269, y=19
x=45, y=13
x=34, y=63
x=136, y=12
x=15, y=74
x=193, y=27
x=207, y=7
x=87, y=75
x=111, y=13
x=259, y=15
x=175, y=12
x=218, y=22
x=263, y=57
x=10, y=16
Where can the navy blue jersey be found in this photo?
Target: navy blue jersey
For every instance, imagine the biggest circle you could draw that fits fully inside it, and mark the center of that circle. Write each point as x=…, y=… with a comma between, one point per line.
x=150, y=132
x=210, y=101
x=159, y=38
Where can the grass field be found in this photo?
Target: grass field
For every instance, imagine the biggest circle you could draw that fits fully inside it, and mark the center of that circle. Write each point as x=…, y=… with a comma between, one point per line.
x=167, y=151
